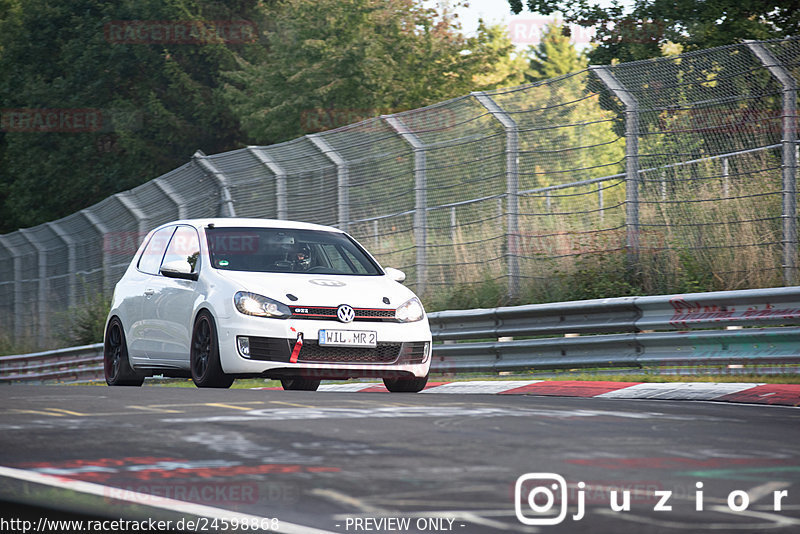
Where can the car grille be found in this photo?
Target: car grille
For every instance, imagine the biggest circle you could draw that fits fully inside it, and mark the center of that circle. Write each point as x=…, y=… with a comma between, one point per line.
x=325, y=313
x=383, y=353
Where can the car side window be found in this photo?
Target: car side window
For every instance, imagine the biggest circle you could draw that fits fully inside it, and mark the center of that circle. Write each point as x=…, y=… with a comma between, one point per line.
x=335, y=258
x=185, y=245
x=359, y=268
x=151, y=257
x=343, y=260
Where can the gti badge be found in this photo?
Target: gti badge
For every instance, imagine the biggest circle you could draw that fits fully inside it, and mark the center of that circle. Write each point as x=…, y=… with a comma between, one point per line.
x=345, y=313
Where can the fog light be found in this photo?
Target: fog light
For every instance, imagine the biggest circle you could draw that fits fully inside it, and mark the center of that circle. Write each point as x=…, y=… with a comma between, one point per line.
x=427, y=352
x=244, y=346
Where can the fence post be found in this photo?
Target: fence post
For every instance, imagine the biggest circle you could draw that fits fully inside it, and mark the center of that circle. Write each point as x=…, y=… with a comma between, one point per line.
x=726, y=191
x=342, y=178
x=212, y=170
x=41, y=286
x=173, y=195
x=453, y=224
x=421, y=197
x=133, y=209
x=788, y=156
x=18, y=301
x=600, y=201
x=512, y=189
x=631, y=162
x=280, y=180
x=103, y=230
x=71, y=261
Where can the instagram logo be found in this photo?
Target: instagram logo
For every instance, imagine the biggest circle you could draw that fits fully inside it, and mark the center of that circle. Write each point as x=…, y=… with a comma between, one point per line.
x=540, y=492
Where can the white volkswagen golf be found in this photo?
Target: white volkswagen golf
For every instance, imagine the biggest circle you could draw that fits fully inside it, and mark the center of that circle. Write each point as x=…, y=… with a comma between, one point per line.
x=220, y=299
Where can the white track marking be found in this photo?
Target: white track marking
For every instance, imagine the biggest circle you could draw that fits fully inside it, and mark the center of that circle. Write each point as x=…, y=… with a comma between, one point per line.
x=152, y=501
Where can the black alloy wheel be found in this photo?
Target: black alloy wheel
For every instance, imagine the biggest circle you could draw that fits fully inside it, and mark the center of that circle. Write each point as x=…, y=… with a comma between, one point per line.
x=205, y=364
x=116, y=367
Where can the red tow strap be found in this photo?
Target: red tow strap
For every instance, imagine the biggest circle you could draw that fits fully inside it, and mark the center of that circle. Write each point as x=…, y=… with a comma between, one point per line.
x=297, y=346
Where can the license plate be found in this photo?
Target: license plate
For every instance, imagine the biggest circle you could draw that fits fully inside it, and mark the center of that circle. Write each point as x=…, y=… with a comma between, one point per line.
x=348, y=338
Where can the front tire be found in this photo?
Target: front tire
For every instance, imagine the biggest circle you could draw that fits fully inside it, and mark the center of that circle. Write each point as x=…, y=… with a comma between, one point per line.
x=300, y=384
x=405, y=385
x=204, y=357
x=116, y=366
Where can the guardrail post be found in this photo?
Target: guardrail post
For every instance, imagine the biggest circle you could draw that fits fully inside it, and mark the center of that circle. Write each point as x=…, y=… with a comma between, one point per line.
x=18, y=301
x=342, y=178
x=103, y=230
x=512, y=189
x=280, y=180
x=788, y=156
x=41, y=286
x=631, y=162
x=72, y=261
x=421, y=197
x=173, y=195
x=226, y=208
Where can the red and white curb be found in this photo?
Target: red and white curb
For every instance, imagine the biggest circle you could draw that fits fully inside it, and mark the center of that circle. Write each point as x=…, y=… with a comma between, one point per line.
x=751, y=393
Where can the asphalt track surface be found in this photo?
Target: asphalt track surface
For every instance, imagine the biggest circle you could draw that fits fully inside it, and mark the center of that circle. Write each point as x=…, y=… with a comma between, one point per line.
x=371, y=462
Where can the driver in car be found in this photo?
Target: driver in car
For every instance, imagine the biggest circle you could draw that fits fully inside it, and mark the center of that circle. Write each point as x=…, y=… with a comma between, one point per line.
x=300, y=256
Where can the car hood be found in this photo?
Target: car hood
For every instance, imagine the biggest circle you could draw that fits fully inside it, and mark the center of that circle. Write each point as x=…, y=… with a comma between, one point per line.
x=323, y=289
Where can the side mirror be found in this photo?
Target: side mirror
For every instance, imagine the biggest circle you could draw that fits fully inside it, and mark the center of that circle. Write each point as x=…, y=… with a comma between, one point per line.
x=395, y=274
x=178, y=269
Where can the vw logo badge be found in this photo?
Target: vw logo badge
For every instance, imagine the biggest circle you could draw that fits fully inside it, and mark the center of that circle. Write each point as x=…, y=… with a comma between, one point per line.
x=345, y=313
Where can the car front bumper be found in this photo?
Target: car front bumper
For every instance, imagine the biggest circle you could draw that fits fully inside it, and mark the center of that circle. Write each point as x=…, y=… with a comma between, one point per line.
x=403, y=349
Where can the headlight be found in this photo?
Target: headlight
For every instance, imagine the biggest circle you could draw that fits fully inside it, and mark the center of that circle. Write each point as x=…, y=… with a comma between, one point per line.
x=261, y=306
x=410, y=311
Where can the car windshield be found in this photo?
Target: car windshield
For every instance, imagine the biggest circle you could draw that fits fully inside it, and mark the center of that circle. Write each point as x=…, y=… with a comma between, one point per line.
x=286, y=250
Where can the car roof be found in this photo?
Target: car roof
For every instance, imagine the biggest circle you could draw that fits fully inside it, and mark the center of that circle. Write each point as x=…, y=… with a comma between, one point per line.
x=244, y=222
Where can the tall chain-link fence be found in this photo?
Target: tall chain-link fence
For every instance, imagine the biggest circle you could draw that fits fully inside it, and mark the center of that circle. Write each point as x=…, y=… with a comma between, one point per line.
x=669, y=170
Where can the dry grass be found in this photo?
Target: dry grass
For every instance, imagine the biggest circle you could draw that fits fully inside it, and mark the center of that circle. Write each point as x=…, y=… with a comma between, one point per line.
x=699, y=231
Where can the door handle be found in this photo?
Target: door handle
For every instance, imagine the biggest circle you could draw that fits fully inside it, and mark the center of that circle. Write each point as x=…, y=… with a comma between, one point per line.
x=149, y=292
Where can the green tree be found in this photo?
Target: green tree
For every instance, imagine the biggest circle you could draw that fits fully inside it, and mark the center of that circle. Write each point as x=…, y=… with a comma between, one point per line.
x=505, y=66
x=642, y=30
x=555, y=55
x=152, y=102
x=332, y=63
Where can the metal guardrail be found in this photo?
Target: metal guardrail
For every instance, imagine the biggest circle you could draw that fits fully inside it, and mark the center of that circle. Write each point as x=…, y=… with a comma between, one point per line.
x=747, y=326
x=74, y=364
